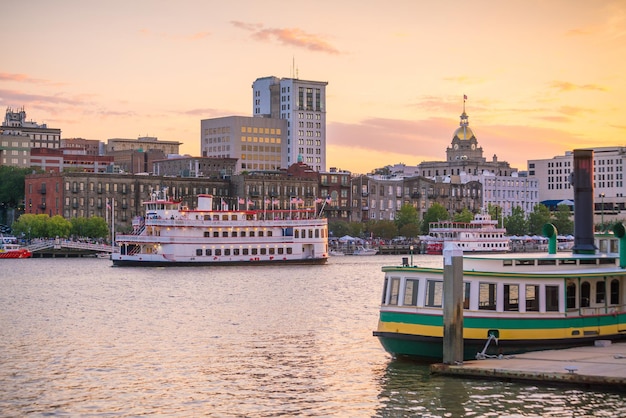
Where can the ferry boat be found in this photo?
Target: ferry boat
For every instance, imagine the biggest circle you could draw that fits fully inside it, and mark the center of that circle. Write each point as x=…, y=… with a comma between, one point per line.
x=9, y=248
x=514, y=303
x=171, y=234
x=479, y=235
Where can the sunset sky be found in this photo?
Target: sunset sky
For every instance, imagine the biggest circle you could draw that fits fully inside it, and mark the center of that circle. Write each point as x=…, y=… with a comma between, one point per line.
x=542, y=77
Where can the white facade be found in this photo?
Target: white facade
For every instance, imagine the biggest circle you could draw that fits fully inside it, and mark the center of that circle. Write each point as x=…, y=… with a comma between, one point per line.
x=303, y=105
x=553, y=176
x=508, y=192
x=257, y=143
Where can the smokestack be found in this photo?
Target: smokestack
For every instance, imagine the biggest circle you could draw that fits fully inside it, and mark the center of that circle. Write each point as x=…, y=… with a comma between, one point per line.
x=582, y=181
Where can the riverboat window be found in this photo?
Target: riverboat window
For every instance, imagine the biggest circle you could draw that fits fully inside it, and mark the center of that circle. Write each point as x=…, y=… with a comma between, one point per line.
x=552, y=298
x=207, y=234
x=218, y=251
x=296, y=233
x=532, y=298
x=410, y=292
x=528, y=262
x=269, y=233
x=208, y=252
x=224, y=217
x=234, y=217
x=227, y=251
x=384, y=300
x=272, y=251
x=434, y=293
x=614, y=292
x=587, y=261
x=567, y=261
x=263, y=251
x=255, y=251
x=216, y=234
x=216, y=217
x=600, y=292
x=511, y=297
x=606, y=261
x=394, y=291
x=261, y=233
x=289, y=250
x=546, y=262
x=487, y=296
x=206, y=217
x=245, y=251
x=310, y=233
x=251, y=233
x=585, y=294
x=233, y=234
x=225, y=234
x=317, y=233
x=507, y=263
x=571, y=295
x=199, y=251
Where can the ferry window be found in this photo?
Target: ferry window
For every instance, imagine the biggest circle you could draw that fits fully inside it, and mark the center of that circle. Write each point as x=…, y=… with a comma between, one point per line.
x=269, y=233
x=317, y=233
x=289, y=250
x=261, y=233
x=410, y=292
x=236, y=251
x=511, y=297
x=487, y=296
x=600, y=292
x=255, y=251
x=218, y=252
x=585, y=294
x=394, y=290
x=208, y=252
x=263, y=251
x=251, y=233
x=234, y=217
x=587, y=261
x=243, y=233
x=199, y=251
x=552, y=298
x=206, y=217
x=385, y=291
x=216, y=234
x=207, y=234
x=224, y=217
x=571, y=295
x=310, y=233
x=532, y=298
x=546, y=262
x=272, y=251
x=281, y=250
x=225, y=234
x=233, y=234
x=245, y=251
x=216, y=217
x=466, y=296
x=227, y=251
x=434, y=293
x=614, y=292
x=296, y=233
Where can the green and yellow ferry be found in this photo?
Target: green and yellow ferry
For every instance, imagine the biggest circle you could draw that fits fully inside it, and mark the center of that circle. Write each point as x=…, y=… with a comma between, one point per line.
x=515, y=303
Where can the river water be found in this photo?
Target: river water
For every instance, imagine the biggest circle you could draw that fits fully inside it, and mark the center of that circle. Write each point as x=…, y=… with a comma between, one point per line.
x=79, y=337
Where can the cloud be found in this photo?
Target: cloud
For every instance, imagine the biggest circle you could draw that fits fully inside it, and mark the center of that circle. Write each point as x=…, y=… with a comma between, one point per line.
x=25, y=78
x=288, y=36
x=15, y=96
x=563, y=86
x=165, y=35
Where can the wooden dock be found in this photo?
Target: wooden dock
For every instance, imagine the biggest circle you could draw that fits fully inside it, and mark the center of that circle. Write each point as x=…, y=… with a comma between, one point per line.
x=603, y=364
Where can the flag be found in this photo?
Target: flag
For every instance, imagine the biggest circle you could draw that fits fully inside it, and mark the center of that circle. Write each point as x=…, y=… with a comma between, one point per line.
x=242, y=201
x=294, y=200
x=465, y=97
x=328, y=199
x=318, y=200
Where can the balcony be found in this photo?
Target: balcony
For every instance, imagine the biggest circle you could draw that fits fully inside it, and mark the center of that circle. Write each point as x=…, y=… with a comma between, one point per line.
x=42, y=190
x=416, y=195
x=42, y=206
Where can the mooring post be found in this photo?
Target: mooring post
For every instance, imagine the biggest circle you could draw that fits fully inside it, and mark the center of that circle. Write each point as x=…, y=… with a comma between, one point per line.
x=452, y=304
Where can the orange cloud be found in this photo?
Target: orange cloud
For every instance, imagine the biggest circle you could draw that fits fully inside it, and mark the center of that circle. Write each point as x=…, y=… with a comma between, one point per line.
x=289, y=36
x=567, y=86
x=24, y=78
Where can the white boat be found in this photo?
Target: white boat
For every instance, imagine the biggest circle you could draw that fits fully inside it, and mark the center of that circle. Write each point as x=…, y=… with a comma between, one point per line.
x=481, y=235
x=360, y=250
x=512, y=303
x=171, y=234
x=9, y=248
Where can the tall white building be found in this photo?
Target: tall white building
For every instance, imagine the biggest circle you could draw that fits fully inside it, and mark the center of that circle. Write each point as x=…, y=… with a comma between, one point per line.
x=302, y=104
x=553, y=175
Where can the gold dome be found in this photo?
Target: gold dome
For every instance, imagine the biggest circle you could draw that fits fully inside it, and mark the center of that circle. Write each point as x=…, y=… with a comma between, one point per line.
x=464, y=133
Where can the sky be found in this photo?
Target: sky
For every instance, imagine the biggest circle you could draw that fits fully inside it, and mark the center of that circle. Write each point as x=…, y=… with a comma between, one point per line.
x=542, y=77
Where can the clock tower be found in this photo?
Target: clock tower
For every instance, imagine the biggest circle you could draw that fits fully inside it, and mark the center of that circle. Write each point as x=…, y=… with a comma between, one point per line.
x=464, y=144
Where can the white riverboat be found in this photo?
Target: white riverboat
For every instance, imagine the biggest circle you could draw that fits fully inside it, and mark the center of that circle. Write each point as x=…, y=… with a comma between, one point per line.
x=481, y=235
x=170, y=234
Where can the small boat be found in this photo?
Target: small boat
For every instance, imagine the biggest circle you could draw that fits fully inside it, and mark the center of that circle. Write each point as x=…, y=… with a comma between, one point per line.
x=170, y=234
x=514, y=303
x=336, y=253
x=360, y=250
x=9, y=248
x=480, y=235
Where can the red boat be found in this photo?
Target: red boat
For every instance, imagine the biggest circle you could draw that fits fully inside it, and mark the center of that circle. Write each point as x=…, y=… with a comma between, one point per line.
x=9, y=248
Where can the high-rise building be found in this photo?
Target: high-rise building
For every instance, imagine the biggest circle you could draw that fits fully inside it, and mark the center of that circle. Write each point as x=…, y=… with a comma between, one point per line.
x=15, y=124
x=302, y=103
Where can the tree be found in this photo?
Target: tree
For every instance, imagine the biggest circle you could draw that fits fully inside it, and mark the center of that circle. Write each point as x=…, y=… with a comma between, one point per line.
x=356, y=229
x=538, y=218
x=407, y=215
x=562, y=220
x=516, y=223
x=436, y=212
x=383, y=229
x=465, y=215
x=409, y=231
x=58, y=226
x=495, y=211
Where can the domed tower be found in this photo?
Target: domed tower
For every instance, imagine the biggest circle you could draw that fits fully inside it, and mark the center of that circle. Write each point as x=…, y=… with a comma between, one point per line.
x=464, y=143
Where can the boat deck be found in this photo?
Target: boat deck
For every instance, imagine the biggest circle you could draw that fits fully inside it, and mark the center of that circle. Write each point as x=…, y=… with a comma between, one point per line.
x=601, y=365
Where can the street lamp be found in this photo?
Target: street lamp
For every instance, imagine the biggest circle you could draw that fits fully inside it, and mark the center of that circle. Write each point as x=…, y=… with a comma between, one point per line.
x=602, y=211
x=411, y=249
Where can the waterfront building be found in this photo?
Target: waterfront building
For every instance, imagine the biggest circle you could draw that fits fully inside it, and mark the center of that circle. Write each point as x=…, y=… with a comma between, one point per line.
x=302, y=103
x=257, y=143
x=88, y=146
x=554, y=178
x=335, y=190
x=83, y=194
x=15, y=150
x=48, y=159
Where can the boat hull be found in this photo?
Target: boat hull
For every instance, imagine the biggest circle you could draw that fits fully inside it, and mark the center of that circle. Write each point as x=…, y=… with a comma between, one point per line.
x=21, y=253
x=164, y=263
